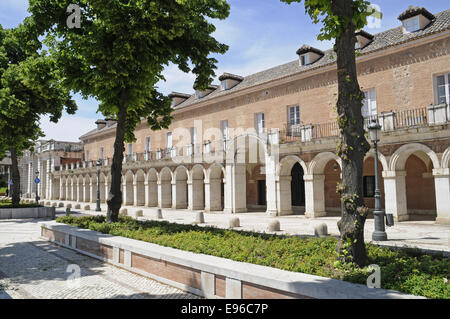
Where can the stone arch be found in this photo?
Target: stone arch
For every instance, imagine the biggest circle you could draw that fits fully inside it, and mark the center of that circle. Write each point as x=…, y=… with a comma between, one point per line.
x=400, y=156
x=179, y=188
x=165, y=188
x=317, y=165
x=128, y=189
x=445, y=162
x=381, y=158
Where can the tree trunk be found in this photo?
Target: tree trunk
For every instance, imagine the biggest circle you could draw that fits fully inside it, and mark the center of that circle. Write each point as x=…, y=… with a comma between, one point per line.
x=115, y=194
x=15, y=177
x=353, y=145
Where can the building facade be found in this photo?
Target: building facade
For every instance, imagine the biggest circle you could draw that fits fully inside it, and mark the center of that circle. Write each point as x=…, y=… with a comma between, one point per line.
x=267, y=141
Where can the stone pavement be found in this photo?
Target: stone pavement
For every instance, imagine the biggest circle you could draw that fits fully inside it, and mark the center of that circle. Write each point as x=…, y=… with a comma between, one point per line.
x=33, y=268
x=421, y=234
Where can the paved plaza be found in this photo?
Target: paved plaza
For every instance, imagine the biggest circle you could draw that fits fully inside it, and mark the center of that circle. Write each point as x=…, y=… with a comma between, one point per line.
x=32, y=268
x=422, y=234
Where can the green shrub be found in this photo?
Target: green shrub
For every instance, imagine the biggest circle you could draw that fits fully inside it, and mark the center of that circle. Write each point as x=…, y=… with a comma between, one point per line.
x=408, y=271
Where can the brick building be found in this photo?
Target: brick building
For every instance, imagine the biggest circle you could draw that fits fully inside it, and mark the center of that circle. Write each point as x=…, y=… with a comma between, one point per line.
x=267, y=141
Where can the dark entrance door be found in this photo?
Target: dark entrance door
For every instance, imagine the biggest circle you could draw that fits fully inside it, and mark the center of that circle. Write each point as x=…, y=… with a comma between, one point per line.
x=262, y=192
x=297, y=186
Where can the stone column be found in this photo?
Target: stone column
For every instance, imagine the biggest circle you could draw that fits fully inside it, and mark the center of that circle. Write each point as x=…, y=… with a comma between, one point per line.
x=135, y=193
x=106, y=190
x=30, y=189
x=146, y=193
x=314, y=196
x=395, y=194
x=442, y=190
x=235, y=189
x=124, y=192
x=93, y=190
x=271, y=187
x=283, y=190
x=62, y=195
x=195, y=191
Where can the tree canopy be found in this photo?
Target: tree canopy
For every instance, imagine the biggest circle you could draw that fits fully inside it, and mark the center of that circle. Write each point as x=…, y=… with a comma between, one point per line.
x=30, y=86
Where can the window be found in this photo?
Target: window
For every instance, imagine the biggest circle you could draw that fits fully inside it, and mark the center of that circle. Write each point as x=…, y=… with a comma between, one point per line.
x=130, y=149
x=370, y=104
x=224, y=129
x=148, y=144
x=169, y=140
x=412, y=24
x=369, y=186
x=225, y=85
x=294, y=115
x=101, y=153
x=443, y=89
x=304, y=59
x=259, y=123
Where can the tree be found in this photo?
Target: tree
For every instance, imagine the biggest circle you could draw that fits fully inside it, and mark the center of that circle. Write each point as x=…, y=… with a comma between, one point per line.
x=30, y=87
x=119, y=53
x=340, y=20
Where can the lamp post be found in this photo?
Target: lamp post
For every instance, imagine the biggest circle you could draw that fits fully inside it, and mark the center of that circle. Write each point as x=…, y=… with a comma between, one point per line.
x=379, y=234
x=99, y=165
x=36, y=182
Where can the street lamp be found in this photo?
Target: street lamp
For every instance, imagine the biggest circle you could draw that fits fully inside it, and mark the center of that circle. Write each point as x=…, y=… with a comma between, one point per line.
x=37, y=182
x=99, y=166
x=379, y=234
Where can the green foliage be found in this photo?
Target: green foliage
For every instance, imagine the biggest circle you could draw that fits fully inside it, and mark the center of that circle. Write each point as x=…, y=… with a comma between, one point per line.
x=119, y=53
x=402, y=270
x=7, y=203
x=324, y=12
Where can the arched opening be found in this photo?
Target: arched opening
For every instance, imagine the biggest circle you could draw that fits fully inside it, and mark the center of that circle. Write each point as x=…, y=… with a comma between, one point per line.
x=420, y=189
x=332, y=173
x=196, y=190
x=140, y=188
x=152, y=179
x=179, y=194
x=165, y=188
x=369, y=183
x=297, y=187
x=128, y=191
x=63, y=187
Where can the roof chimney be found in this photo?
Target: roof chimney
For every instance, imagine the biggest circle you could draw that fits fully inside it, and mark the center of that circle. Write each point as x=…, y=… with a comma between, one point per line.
x=415, y=19
x=309, y=55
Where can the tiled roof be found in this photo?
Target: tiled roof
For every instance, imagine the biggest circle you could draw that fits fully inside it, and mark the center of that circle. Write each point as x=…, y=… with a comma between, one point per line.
x=380, y=41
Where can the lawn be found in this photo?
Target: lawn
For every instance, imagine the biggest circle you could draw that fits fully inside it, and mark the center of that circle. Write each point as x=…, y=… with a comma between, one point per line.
x=408, y=271
x=7, y=203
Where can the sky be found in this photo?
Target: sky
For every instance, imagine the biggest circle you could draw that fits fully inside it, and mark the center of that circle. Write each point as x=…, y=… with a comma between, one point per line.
x=260, y=33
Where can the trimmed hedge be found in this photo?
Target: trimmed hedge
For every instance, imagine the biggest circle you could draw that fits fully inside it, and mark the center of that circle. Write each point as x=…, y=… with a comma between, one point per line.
x=405, y=270
x=7, y=203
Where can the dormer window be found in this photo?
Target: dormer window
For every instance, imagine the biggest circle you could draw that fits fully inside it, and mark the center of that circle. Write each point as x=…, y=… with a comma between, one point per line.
x=178, y=98
x=363, y=38
x=229, y=80
x=415, y=19
x=412, y=24
x=209, y=90
x=308, y=55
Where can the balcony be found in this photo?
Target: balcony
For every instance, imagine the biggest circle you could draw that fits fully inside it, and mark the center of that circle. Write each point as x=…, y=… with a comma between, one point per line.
x=389, y=121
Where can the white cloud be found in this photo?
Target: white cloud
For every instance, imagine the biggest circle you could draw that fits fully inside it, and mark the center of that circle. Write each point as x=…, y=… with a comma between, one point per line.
x=69, y=128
